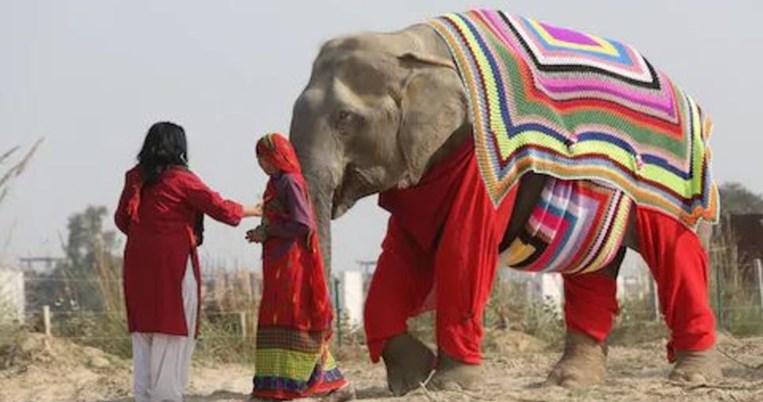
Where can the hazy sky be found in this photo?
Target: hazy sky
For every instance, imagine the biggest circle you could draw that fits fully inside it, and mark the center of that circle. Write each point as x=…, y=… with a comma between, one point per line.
x=92, y=76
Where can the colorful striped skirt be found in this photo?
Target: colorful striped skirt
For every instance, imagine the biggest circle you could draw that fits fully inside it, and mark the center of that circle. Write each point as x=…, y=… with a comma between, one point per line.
x=293, y=364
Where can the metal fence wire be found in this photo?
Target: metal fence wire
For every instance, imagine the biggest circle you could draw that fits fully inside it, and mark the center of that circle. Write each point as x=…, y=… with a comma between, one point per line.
x=736, y=297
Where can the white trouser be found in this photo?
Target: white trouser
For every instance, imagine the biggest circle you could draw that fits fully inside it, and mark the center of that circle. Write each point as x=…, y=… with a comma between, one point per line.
x=162, y=362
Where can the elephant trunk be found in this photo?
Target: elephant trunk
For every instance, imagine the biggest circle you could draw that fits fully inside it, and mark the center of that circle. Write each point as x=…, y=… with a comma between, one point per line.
x=321, y=193
x=321, y=168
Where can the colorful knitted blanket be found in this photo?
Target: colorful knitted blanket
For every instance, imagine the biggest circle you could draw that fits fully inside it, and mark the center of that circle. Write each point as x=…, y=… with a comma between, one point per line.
x=576, y=106
x=577, y=226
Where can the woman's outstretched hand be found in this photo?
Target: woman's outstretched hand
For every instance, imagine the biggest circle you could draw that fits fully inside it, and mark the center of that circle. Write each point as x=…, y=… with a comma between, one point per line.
x=255, y=210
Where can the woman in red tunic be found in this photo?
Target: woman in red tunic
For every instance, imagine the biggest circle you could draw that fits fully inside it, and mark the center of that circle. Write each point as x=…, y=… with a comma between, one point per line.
x=294, y=324
x=161, y=211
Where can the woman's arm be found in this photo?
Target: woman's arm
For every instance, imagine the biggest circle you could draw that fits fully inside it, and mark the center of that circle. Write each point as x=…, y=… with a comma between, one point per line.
x=299, y=223
x=209, y=202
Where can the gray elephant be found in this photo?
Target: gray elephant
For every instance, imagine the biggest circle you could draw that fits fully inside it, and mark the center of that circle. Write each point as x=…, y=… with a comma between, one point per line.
x=497, y=138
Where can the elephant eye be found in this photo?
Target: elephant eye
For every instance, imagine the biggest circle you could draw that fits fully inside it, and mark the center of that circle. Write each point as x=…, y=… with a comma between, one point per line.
x=344, y=118
x=344, y=115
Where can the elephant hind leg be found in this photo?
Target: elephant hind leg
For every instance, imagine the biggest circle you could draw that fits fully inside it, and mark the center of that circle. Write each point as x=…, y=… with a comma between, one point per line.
x=679, y=263
x=590, y=302
x=589, y=309
x=584, y=362
x=699, y=366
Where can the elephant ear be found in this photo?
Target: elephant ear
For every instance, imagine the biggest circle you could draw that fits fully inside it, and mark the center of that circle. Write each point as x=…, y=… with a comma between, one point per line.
x=433, y=107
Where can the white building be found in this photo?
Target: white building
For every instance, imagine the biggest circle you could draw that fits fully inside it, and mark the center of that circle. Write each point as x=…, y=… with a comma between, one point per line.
x=634, y=280
x=352, y=296
x=537, y=286
x=12, y=297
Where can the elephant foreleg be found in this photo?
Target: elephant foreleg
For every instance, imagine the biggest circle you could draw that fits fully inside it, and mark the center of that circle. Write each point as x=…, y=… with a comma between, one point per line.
x=408, y=361
x=398, y=290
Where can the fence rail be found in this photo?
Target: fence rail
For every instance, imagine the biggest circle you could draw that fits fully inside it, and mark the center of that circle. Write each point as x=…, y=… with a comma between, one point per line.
x=740, y=306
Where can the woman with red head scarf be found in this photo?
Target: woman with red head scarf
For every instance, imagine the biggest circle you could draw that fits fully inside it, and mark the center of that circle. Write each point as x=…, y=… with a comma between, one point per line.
x=294, y=324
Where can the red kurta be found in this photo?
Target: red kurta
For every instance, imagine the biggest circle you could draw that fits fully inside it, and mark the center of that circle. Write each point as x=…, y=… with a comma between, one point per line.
x=158, y=222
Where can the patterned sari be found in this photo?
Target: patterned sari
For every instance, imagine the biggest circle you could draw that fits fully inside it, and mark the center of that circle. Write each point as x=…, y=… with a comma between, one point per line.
x=294, y=324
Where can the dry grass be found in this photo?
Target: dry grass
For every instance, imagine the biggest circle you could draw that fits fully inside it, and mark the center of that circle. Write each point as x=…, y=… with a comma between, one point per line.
x=10, y=327
x=57, y=370
x=229, y=319
x=736, y=302
x=15, y=169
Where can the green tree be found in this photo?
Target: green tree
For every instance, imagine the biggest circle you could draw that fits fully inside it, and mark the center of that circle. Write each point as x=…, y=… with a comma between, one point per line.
x=91, y=270
x=89, y=278
x=85, y=289
x=738, y=199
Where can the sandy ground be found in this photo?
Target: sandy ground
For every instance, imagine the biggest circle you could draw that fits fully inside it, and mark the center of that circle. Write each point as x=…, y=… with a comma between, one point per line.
x=515, y=368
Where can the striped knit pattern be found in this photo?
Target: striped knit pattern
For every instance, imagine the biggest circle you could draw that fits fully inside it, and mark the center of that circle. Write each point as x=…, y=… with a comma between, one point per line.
x=577, y=227
x=576, y=106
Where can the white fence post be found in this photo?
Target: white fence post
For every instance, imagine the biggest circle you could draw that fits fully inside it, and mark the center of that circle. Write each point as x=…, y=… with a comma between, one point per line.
x=242, y=320
x=46, y=319
x=759, y=268
x=655, y=299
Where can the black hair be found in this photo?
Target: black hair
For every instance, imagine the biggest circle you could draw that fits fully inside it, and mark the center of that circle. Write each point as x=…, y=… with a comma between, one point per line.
x=165, y=146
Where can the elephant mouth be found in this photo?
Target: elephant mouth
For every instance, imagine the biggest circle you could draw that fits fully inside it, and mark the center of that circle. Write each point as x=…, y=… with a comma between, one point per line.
x=352, y=188
x=339, y=204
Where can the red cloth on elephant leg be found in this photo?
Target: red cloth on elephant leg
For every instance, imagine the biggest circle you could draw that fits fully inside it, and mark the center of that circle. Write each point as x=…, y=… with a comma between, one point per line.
x=679, y=264
x=590, y=304
x=405, y=270
x=449, y=217
x=466, y=262
x=401, y=283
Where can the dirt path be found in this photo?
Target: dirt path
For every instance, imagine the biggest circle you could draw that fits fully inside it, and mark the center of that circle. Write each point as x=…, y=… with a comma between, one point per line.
x=60, y=372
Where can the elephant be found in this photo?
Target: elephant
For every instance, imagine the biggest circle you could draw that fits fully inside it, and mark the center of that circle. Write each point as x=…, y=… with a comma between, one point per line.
x=379, y=112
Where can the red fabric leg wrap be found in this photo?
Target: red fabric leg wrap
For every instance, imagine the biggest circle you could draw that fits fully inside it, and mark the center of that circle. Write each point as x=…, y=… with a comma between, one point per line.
x=465, y=265
x=590, y=304
x=679, y=264
x=401, y=283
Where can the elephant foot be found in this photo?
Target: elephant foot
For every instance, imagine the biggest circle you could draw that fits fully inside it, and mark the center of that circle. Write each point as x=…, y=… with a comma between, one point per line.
x=699, y=367
x=408, y=362
x=583, y=364
x=455, y=375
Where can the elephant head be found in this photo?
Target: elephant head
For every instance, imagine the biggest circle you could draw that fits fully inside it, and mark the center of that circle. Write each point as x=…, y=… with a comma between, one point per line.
x=378, y=111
